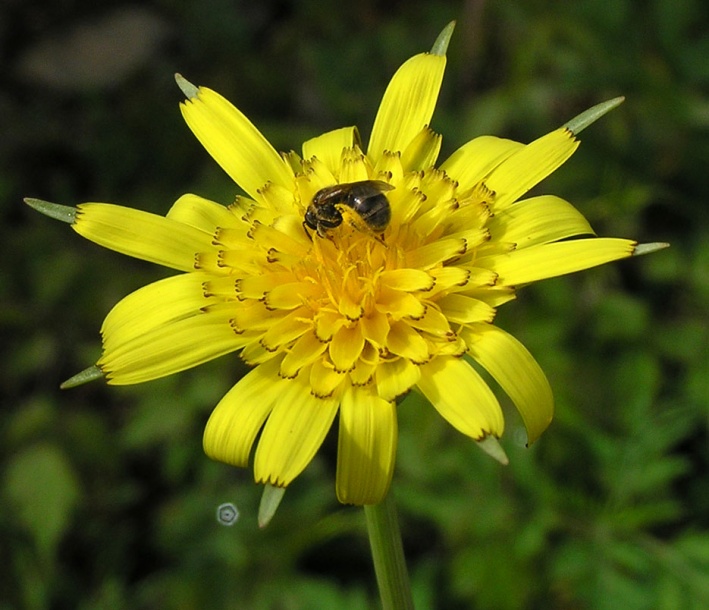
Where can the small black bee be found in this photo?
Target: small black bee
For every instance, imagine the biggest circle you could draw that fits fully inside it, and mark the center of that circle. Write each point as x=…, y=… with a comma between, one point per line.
x=366, y=199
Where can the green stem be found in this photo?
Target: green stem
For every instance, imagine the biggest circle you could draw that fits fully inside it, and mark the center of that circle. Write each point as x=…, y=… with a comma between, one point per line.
x=388, y=555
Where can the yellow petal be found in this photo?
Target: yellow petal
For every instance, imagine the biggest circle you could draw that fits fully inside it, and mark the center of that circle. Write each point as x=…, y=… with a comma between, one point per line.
x=404, y=341
x=328, y=147
x=293, y=433
x=203, y=214
x=435, y=253
x=366, y=449
x=422, y=152
x=345, y=347
x=407, y=105
x=237, y=419
x=171, y=348
x=473, y=161
x=324, y=379
x=410, y=280
x=304, y=351
x=234, y=143
x=461, y=309
x=291, y=295
x=257, y=286
x=433, y=322
x=517, y=372
x=142, y=235
x=286, y=329
x=155, y=305
x=551, y=260
x=396, y=377
x=538, y=220
x=327, y=323
x=365, y=368
x=398, y=304
x=461, y=396
x=375, y=326
x=529, y=166
x=355, y=166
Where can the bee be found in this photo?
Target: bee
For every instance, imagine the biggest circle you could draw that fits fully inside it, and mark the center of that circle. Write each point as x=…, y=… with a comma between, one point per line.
x=366, y=199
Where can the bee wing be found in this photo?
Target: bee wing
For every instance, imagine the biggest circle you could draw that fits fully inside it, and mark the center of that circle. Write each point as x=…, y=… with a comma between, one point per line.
x=382, y=186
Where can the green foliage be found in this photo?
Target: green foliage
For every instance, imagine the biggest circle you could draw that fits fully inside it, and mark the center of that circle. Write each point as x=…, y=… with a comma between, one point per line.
x=106, y=499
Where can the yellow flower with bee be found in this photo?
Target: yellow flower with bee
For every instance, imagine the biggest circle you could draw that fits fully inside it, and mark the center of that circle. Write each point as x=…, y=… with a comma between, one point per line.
x=347, y=277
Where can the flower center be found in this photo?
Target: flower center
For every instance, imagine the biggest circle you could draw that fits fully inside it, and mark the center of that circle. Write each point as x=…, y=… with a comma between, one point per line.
x=347, y=265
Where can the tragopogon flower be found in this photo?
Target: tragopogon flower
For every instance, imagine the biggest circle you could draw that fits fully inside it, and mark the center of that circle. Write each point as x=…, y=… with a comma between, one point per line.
x=336, y=315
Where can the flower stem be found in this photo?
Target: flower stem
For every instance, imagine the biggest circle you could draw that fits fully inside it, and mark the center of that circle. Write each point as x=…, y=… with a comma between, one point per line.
x=388, y=555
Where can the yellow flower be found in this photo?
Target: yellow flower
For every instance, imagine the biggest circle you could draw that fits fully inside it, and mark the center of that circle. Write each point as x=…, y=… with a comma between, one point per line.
x=347, y=319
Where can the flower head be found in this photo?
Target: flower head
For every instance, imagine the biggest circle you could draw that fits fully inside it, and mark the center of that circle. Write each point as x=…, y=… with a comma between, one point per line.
x=346, y=277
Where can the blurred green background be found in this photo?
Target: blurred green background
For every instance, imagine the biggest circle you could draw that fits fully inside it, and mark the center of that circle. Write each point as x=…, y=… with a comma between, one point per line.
x=106, y=499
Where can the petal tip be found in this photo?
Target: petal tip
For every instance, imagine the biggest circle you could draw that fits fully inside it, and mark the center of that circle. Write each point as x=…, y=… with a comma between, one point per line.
x=191, y=91
x=492, y=447
x=441, y=45
x=590, y=116
x=270, y=499
x=90, y=374
x=64, y=213
x=641, y=249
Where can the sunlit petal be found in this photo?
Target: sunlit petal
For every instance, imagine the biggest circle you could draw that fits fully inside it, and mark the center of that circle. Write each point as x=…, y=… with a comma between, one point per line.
x=366, y=447
x=408, y=103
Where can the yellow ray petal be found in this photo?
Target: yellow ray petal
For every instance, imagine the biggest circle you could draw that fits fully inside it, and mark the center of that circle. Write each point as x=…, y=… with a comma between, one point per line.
x=366, y=449
x=234, y=143
x=324, y=379
x=363, y=372
x=436, y=253
x=257, y=286
x=237, y=419
x=396, y=377
x=155, y=305
x=529, y=166
x=345, y=347
x=355, y=166
x=292, y=295
x=433, y=322
x=473, y=161
x=203, y=214
x=461, y=309
x=551, y=260
x=293, y=433
x=328, y=147
x=519, y=375
x=461, y=396
x=398, y=304
x=538, y=220
x=142, y=235
x=407, y=105
x=410, y=280
x=375, y=326
x=404, y=341
x=423, y=150
x=171, y=348
x=286, y=329
x=304, y=351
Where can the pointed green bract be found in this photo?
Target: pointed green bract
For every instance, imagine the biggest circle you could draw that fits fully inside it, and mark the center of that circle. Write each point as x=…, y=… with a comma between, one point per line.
x=492, y=447
x=186, y=86
x=590, y=116
x=270, y=500
x=64, y=213
x=641, y=249
x=90, y=374
x=441, y=45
